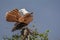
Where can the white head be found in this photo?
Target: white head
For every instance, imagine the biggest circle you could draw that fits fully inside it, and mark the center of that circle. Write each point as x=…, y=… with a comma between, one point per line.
x=24, y=11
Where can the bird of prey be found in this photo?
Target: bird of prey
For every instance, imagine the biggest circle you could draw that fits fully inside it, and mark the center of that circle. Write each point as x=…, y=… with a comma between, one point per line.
x=21, y=18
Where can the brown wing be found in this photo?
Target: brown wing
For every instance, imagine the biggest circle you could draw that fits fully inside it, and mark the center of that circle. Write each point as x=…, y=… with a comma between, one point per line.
x=13, y=15
x=26, y=18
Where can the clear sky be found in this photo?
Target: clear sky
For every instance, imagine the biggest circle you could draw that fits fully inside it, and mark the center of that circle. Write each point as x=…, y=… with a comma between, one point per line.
x=46, y=15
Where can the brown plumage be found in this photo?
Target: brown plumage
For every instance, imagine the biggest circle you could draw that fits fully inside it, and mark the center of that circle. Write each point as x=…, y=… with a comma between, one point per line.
x=21, y=21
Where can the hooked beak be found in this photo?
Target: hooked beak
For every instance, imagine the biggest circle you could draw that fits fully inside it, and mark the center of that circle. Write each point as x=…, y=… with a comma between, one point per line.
x=31, y=12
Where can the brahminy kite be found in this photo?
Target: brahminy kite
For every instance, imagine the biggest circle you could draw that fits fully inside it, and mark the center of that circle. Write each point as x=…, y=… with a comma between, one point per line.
x=21, y=17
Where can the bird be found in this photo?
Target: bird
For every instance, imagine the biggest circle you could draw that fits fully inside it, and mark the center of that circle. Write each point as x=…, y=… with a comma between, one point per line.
x=21, y=18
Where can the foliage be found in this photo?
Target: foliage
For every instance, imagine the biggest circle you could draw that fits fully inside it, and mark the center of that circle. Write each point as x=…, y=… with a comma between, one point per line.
x=35, y=36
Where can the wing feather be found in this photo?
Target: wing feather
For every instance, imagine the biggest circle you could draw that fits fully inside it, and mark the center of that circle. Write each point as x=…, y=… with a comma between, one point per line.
x=13, y=15
x=26, y=18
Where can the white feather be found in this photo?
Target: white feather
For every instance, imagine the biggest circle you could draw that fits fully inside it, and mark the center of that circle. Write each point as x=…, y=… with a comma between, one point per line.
x=24, y=11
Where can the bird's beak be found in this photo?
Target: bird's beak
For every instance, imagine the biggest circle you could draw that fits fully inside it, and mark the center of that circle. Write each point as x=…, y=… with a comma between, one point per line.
x=31, y=12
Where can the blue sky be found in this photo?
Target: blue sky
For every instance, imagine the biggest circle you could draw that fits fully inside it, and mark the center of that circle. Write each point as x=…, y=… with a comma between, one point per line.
x=46, y=16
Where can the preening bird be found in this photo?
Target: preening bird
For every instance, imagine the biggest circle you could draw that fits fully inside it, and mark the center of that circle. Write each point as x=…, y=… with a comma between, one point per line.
x=21, y=18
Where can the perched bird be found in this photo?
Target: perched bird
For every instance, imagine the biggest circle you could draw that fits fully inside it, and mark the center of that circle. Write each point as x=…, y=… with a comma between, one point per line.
x=21, y=18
